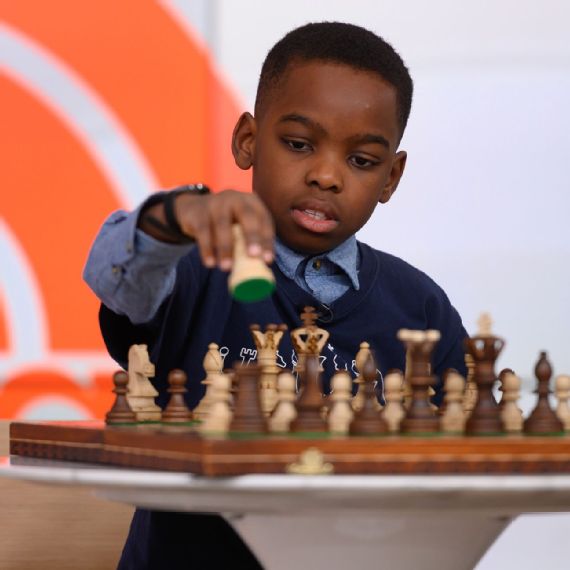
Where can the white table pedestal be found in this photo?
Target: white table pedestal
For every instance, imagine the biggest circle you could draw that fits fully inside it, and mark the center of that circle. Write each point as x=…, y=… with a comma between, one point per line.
x=387, y=540
x=333, y=522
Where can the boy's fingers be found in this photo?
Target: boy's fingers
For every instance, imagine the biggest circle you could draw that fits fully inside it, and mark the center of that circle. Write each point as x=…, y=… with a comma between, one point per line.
x=266, y=234
x=248, y=219
x=203, y=239
x=221, y=228
x=262, y=232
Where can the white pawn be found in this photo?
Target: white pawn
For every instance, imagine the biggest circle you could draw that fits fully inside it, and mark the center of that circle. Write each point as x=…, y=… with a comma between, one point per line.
x=341, y=413
x=394, y=395
x=213, y=364
x=219, y=413
x=511, y=415
x=453, y=419
x=285, y=411
x=562, y=390
x=361, y=357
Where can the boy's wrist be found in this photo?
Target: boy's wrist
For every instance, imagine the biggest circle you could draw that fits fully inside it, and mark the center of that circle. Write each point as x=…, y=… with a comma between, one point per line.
x=158, y=218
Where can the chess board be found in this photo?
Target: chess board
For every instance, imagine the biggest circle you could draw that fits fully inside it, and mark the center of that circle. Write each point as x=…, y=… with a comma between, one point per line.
x=183, y=449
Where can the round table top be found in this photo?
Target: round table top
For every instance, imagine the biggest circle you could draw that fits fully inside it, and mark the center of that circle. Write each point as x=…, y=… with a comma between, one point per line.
x=271, y=493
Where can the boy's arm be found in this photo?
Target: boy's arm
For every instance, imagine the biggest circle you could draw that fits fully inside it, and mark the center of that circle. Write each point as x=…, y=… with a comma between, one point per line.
x=131, y=272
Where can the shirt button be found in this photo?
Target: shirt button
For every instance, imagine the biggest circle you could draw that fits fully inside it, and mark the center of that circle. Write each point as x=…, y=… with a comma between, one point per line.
x=317, y=264
x=115, y=269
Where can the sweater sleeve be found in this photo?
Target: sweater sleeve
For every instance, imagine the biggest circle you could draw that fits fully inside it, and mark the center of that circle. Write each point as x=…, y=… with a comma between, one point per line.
x=129, y=271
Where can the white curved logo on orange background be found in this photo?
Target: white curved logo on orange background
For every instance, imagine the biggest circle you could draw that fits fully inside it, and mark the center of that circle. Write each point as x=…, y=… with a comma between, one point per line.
x=100, y=104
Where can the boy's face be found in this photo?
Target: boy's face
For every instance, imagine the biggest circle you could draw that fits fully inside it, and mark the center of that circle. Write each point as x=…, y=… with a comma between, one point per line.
x=323, y=152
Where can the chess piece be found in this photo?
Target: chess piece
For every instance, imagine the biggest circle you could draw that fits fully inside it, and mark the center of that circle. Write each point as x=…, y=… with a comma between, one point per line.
x=420, y=416
x=453, y=418
x=310, y=402
x=308, y=342
x=470, y=396
x=341, y=413
x=511, y=415
x=176, y=410
x=443, y=406
x=394, y=412
x=562, y=388
x=359, y=361
x=248, y=416
x=308, y=339
x=407, y=389
x=250, y=279
x=141, y=393
x=543, y=419
x=484, y=349
x=213, y=364
x=502, y=375
x=219, y=417
x=368, y=421
x=485, y=324
x=121, y=412
x=267, y=344
x=285, y=411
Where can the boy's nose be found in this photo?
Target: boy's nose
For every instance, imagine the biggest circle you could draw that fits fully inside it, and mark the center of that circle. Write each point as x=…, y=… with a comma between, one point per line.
x=325, y=174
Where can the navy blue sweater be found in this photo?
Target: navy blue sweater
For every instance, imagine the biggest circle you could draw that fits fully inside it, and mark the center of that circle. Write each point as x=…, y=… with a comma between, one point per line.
x=392, y=295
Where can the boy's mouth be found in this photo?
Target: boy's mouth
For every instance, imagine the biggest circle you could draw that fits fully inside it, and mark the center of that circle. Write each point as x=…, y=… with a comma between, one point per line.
x=314, y=219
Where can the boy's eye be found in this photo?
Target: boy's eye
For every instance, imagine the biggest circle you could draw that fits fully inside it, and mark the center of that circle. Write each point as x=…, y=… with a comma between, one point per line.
x=362, y=162
x=297, y=145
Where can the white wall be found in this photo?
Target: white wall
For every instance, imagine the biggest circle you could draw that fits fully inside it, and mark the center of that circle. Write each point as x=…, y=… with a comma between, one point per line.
x=484, y=202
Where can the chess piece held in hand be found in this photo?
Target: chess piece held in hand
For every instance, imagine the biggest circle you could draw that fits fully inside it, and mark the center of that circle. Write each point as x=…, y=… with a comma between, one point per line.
x=250, y=279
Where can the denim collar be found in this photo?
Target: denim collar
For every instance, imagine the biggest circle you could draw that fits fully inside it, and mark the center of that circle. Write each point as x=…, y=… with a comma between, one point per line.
x=344, y=256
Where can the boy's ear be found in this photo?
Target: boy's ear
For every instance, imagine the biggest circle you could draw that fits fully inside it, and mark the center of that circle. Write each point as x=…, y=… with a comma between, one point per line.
x=243, y=141
x=398, y=165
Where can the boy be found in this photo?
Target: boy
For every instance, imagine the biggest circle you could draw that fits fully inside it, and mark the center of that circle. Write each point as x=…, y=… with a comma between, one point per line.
x=332, y=104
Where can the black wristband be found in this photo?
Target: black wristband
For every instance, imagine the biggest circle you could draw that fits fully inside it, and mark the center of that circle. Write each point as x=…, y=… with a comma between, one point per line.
x=172, y=228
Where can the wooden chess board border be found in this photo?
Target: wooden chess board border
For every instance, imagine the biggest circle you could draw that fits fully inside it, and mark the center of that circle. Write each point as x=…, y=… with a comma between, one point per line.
x=182, y=449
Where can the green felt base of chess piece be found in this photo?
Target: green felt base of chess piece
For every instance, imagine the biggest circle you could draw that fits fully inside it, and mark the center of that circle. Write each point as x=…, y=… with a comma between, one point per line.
x=252, y=290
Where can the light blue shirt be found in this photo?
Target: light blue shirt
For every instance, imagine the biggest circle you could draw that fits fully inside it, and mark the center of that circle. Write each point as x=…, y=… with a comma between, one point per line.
x=133, y=273
x=326, y=276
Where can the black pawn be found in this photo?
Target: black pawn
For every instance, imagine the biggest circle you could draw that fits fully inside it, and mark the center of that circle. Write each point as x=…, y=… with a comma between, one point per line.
x=121, y=412
x=176, y=411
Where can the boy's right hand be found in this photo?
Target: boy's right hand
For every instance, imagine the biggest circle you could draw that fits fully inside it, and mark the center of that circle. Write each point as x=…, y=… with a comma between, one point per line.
x=208, y=220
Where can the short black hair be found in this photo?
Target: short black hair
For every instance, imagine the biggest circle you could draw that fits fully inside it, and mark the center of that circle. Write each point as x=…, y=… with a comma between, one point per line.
x=343, y=43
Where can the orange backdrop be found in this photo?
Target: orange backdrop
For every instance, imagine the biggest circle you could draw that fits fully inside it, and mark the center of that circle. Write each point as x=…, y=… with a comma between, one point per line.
x=86, y=84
